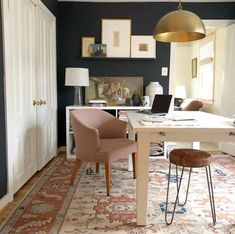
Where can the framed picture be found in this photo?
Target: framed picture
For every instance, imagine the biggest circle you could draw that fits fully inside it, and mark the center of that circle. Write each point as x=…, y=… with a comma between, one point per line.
x=116, y=34
x=86, y=41
x=194, y=67
x=115, y=90
x=143, y=47
x=98, y=50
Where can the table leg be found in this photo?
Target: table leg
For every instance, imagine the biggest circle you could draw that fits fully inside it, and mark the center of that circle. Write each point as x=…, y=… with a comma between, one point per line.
x=143, y=140
x=131, y=136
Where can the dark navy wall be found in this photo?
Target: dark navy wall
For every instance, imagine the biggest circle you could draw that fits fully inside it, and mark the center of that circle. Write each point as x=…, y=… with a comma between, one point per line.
x=84, y=19
x=53, y=6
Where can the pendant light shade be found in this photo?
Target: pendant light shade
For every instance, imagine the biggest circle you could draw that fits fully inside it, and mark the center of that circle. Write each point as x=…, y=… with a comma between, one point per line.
x=179, y=26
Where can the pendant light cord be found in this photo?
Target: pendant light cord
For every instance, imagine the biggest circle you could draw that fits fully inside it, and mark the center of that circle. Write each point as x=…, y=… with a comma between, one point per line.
x=180, y=6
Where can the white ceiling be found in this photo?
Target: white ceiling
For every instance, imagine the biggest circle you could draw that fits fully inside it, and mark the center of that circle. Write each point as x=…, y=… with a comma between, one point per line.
x=145, y=0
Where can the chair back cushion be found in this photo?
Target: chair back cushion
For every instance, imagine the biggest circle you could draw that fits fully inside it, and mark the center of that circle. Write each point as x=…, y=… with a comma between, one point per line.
x=86, y=137
x=103, y=121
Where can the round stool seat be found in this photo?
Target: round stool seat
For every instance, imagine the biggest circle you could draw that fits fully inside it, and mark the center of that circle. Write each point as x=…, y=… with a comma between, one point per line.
x=190, y=158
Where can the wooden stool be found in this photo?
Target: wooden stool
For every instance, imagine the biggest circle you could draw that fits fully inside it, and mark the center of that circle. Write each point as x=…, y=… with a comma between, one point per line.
x=193, y=159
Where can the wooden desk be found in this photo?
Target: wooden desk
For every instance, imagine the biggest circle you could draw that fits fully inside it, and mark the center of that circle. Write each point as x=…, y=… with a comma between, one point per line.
x=205, y=128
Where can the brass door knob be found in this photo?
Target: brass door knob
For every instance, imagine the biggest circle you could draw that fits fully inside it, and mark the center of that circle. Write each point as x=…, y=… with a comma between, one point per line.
x=39, y=102
x=34, y=102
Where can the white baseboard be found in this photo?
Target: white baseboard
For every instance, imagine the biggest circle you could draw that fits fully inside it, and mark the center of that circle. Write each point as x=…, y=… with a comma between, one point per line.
x=4, y=201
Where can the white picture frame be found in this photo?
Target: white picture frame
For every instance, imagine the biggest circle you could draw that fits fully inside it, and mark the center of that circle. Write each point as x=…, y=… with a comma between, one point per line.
x=143, y=47
x=116, y=33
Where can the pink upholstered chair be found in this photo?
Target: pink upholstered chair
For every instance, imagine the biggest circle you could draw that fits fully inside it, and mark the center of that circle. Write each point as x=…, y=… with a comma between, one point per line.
x=101, y=138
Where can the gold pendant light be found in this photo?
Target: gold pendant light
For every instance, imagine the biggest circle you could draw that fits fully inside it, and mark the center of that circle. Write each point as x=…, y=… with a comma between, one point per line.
x=179, y=26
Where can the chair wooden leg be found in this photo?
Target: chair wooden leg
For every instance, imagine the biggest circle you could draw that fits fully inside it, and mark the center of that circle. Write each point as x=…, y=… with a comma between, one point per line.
x=134, y=165
x=97, y=168
x=75, y=170
x=108, y=177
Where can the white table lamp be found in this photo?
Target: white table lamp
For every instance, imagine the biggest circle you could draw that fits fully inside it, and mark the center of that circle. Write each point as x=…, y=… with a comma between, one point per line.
x=77, y=77
x=180, y=94
x=180, y=91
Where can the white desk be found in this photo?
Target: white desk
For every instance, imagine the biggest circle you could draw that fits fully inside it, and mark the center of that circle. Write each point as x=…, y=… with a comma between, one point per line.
x=205, y=128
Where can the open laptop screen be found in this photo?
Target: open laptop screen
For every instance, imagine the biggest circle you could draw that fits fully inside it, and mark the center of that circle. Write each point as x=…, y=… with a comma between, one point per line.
x=161, y=104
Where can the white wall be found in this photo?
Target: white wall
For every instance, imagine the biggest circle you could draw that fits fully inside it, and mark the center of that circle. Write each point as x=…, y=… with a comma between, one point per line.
x=220, y=45
x=180, y=66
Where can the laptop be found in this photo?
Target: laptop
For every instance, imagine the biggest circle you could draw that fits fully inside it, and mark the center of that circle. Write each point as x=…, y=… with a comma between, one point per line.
x=160, y=106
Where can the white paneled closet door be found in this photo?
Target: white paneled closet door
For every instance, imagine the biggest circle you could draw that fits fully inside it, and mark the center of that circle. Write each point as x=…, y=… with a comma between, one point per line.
x=46, y=77
x=19, y=46
x=30, y=78
x=228, y=95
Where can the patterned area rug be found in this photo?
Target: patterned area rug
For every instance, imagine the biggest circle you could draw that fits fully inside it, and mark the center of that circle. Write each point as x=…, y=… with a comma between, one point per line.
x=55, y=207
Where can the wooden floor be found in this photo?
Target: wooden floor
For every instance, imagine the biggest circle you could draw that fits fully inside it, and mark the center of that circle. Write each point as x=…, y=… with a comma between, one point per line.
x=20, y=195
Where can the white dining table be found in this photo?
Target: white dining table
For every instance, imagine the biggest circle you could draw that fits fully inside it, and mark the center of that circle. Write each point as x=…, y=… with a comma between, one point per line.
x=189, y=127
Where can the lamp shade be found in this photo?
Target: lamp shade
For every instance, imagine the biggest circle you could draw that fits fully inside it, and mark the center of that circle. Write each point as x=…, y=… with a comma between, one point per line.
x=179, y=26
x=180, y=91
x=76, y=76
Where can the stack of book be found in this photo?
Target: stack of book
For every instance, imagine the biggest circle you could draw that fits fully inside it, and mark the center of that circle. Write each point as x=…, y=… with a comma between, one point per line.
x=122, y=115
x=97, y=103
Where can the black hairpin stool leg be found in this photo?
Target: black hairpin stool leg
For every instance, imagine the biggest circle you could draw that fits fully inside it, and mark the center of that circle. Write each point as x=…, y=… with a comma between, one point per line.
x=186, y=196
x=211, y=194
x=177, y=194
